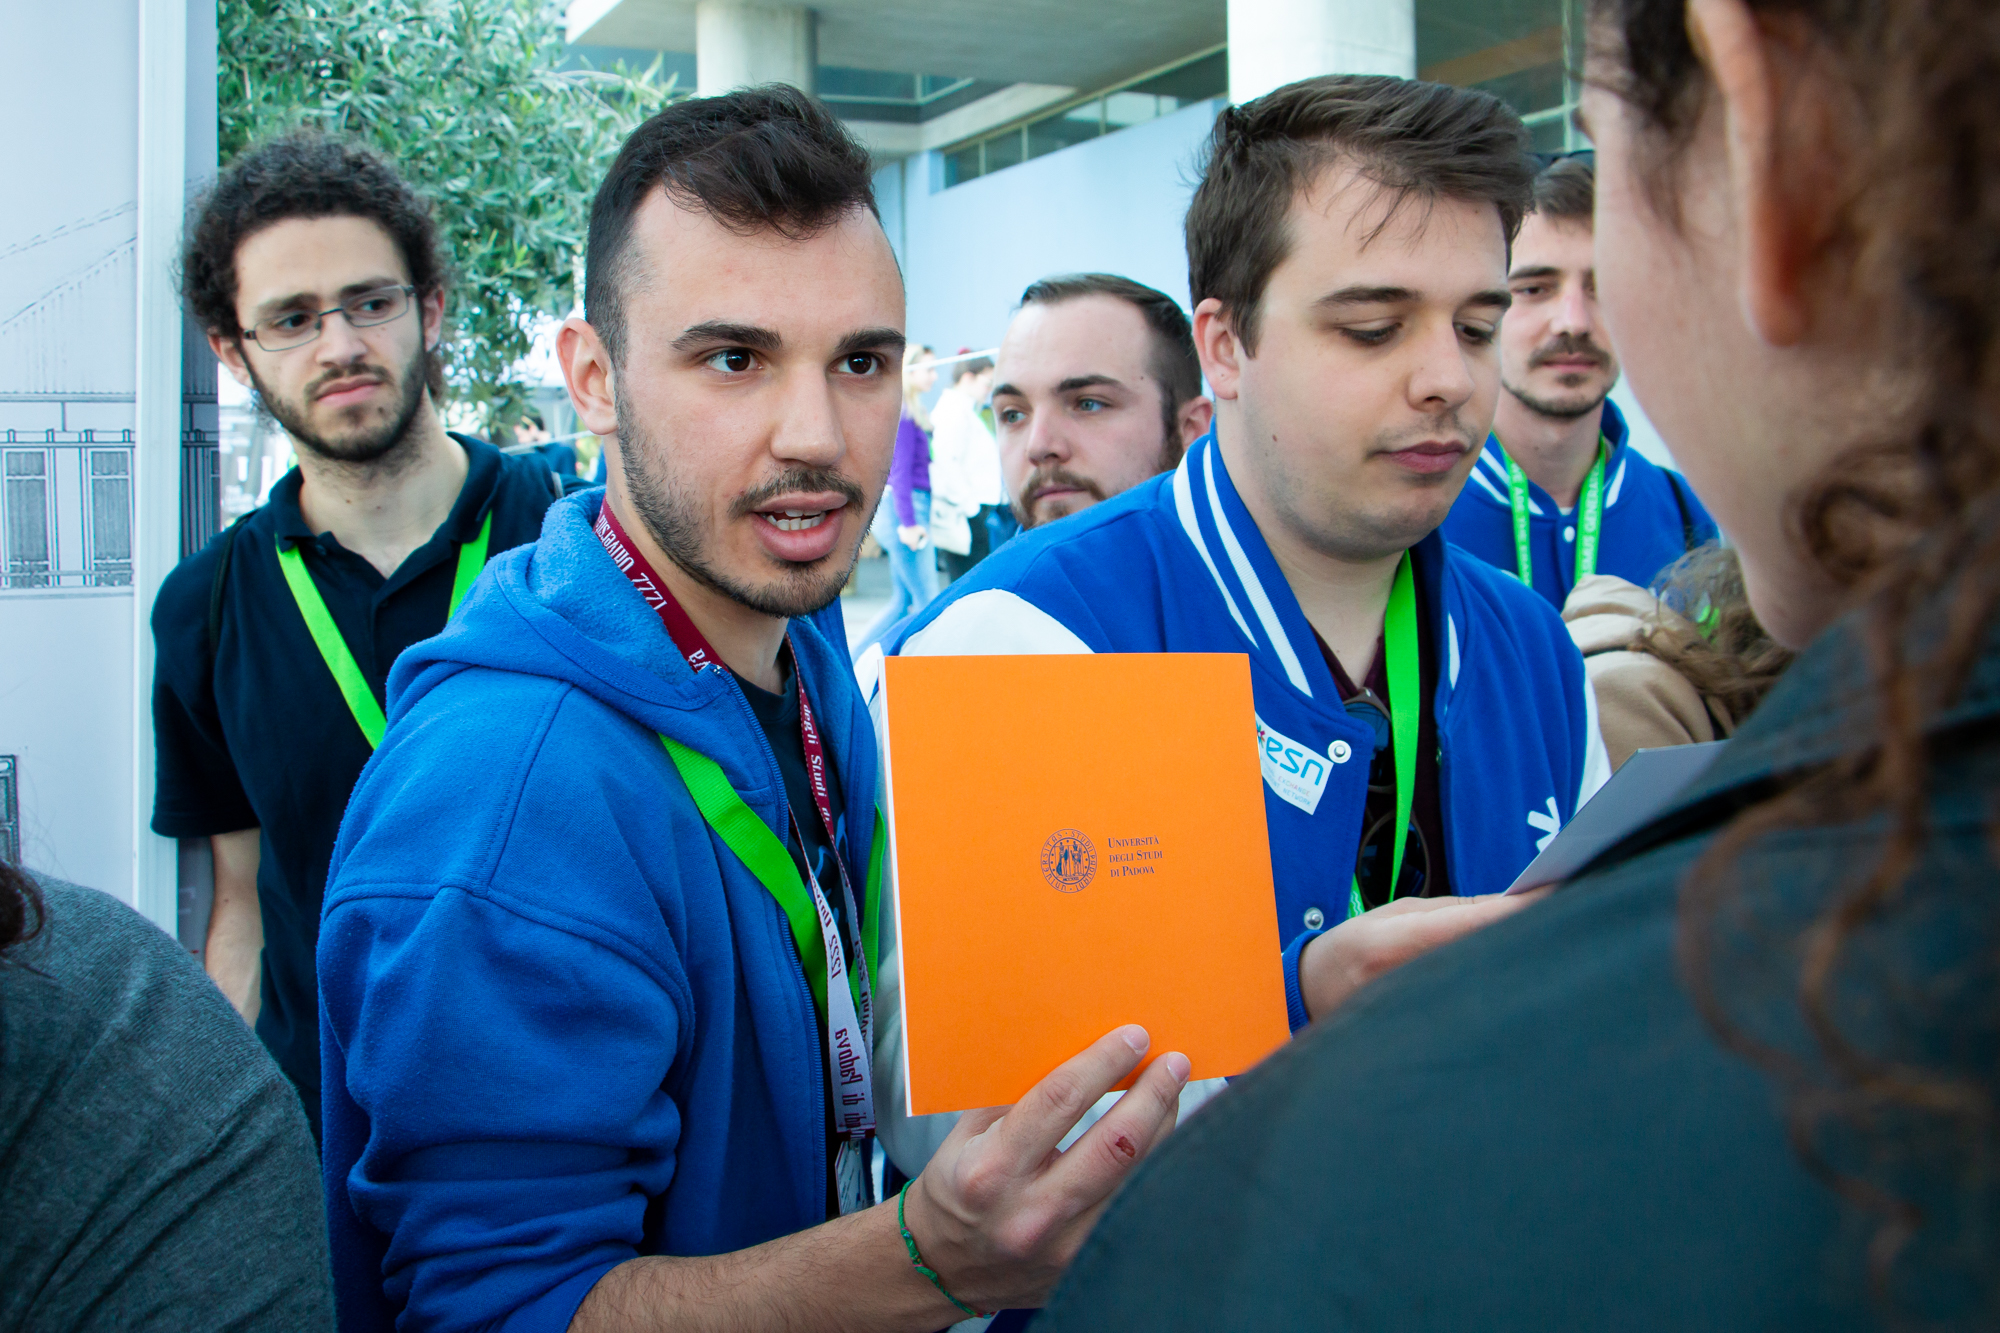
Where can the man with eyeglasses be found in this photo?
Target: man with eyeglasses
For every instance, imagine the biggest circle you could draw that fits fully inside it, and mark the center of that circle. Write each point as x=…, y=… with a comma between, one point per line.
x=1556, y=496
x=317, y=274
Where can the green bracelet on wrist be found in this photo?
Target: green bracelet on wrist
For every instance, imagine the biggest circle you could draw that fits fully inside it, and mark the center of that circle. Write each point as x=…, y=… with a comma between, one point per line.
x=917, y=1260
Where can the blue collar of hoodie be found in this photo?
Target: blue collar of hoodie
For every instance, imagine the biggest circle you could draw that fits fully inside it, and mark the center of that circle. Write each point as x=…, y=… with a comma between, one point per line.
x=1489, y=475
x=560, y=608
x=1217, y=524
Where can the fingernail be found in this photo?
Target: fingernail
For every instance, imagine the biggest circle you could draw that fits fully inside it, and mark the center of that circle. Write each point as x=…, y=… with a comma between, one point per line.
x=1137, y=1038
x=1178, y=1065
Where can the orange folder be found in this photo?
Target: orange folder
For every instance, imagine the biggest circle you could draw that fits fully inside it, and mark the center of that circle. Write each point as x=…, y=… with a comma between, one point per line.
x=1078, y=842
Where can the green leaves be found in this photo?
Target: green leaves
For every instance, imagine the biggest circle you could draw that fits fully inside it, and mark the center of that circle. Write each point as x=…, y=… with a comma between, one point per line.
x=465, y=97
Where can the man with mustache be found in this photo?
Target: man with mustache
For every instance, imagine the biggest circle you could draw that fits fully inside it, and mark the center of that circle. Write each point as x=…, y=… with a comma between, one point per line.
x=1095, y=388
x=1423, y=721
x=316, y=272
x=1557, y=496
x=601, y=933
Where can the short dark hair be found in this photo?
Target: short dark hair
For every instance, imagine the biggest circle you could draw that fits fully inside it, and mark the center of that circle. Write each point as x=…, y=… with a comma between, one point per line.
x=1566, y=190
x=1426, y=140
x=1174, y=363
x=759, y=159
x=971, y=366
x=304, y=175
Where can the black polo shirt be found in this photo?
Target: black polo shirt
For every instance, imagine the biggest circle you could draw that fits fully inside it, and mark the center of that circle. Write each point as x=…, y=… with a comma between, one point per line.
x=252, y=731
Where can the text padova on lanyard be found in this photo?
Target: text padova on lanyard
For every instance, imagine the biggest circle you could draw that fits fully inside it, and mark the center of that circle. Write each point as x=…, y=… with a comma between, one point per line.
x=847, y=1009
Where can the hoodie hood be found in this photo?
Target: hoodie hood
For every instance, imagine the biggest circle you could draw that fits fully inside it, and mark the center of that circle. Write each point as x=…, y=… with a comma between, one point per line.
x=560, y=609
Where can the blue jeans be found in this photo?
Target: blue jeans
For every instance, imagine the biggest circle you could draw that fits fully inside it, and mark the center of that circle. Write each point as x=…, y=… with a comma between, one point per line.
x=912, y=574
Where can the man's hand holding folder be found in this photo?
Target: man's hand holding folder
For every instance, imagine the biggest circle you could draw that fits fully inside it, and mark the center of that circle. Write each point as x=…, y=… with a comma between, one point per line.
x=1000, y=1213
x=1118, y=869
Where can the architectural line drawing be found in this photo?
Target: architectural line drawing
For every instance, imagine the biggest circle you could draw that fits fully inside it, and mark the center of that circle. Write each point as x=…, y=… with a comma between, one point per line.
x=71, y=281
x=68, y=228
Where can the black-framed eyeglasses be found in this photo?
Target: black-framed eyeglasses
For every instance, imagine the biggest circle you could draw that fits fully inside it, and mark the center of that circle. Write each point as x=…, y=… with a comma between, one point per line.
x=363, y=310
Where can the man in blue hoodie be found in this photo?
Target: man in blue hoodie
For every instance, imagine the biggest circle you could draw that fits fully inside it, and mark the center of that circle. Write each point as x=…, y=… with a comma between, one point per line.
x=599, y=948
x=1557, y=496
x=1424, y=723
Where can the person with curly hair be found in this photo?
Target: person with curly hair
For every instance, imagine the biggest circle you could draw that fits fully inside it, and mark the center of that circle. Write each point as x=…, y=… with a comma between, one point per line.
x=1676, y=665
x=1744, y=1070
x=317, y=273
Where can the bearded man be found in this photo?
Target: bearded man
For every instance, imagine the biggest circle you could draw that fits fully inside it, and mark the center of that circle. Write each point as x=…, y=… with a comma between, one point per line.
x=315, y=270
x=1557, y=495
x=603, y=929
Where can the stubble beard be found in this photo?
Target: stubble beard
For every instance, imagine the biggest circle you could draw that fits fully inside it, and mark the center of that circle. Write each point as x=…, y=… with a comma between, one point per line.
x=1024, y=506
x=1568, y=408
x=381, y=448
x=676, y=522
x=1167, y=460
x=1558, y=409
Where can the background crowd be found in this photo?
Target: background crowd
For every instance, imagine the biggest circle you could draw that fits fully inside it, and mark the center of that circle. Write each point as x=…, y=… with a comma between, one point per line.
x=572, y=946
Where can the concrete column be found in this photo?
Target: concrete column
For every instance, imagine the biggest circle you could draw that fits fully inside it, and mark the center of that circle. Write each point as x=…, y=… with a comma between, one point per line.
x=1276, y=42
x=737, y=45
x=162, y=135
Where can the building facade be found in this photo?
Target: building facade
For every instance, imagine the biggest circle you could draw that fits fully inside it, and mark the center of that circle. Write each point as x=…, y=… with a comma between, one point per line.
x=1050, y=136
x=107, y=426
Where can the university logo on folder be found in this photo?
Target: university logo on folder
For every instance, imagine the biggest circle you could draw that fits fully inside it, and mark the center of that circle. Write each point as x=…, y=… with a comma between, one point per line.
x=1078, y=842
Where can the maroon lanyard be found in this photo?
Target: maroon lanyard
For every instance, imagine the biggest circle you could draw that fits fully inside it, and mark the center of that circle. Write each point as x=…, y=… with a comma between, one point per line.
x=695, y=647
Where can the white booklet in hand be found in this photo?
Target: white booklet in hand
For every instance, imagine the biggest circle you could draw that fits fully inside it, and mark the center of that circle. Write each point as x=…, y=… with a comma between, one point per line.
x=1643, y=786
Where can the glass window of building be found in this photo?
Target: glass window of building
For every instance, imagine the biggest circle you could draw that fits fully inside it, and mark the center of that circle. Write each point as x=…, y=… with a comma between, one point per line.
x=1525, y=52
x=1197, y=79
x=24, y=514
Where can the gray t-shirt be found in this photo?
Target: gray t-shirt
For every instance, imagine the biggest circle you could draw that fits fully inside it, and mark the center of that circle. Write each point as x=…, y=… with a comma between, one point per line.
x=155, y=1167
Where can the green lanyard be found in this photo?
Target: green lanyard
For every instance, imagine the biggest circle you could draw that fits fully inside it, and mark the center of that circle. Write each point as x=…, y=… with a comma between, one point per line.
x=1399, y=644
x=339, y=657
x=1589, y=520
x=766, y=857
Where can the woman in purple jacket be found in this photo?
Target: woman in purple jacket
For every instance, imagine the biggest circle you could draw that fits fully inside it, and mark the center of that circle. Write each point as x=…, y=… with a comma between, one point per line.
x=912, y=565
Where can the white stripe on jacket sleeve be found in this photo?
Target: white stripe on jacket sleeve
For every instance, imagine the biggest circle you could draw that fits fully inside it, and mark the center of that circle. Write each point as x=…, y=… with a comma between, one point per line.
x=1596, y=759
x=993, y=623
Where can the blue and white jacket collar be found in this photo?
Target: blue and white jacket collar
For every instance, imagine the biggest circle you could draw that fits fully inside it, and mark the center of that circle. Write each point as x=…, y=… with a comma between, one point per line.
x=1489, y=474
x=1259, y=598
x=1219, y=527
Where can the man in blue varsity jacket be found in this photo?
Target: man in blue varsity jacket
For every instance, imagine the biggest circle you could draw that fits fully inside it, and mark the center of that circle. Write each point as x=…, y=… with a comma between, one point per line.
x=1423, y=720
x=1556, y=495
